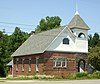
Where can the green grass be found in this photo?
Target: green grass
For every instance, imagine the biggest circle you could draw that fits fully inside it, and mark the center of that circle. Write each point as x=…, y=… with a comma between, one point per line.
x=81, y=76
x=19, y=78
x=77, y=76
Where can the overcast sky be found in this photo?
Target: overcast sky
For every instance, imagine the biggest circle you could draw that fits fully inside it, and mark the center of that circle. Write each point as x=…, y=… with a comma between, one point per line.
x=30, y=12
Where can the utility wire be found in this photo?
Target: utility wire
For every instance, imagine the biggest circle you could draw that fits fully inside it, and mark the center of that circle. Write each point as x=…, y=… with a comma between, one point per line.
x=29, y=26
x=17, y=24
x=3, y=26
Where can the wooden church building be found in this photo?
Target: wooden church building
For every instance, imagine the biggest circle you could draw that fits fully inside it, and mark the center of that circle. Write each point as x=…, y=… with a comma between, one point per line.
x=60, y=51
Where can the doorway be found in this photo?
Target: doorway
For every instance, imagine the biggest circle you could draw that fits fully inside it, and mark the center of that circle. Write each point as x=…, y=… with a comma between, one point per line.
x=81, y=65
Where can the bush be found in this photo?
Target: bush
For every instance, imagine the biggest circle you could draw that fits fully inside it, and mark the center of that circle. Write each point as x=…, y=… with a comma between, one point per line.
x=71, y=77
x=58, y=77
x=96, y=75
x=43, y=77
x=83, y=74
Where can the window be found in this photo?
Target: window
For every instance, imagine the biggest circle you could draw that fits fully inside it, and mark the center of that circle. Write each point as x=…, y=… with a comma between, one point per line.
x=22, y=64
x=16, y=64
x=65, y=41
x=29, y=65
x=59, y=62
x=9, y=68
x=54, y=62
x=64, y=62
x=37, y=64
x=81, y=35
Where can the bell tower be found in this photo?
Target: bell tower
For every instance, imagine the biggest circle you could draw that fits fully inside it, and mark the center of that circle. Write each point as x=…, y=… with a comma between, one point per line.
x=80, y=29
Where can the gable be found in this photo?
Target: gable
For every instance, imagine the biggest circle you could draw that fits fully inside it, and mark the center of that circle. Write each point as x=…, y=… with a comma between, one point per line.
x=58, y=45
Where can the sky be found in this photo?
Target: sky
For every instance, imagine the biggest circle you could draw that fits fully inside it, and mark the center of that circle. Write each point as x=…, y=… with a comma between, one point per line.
x=27, y=14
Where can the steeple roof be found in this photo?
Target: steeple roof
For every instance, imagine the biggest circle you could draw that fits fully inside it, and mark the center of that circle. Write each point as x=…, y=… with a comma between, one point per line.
x=78, y=22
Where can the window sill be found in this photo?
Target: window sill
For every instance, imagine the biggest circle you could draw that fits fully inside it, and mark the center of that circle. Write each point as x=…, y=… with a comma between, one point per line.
x=22, y=70
x=16, y=70
x=59, y=67
x=29, y=70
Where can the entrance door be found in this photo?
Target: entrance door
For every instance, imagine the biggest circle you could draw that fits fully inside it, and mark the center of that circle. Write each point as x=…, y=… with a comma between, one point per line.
x=81, y=65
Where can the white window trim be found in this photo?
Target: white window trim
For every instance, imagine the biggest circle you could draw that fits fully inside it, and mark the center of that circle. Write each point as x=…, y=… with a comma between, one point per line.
x=60, y=62
x=54, y=63
x=37, y=64
x=22, y=64
x=17, y=64
x=65, y=63
x=56, y=60
x=29, y=65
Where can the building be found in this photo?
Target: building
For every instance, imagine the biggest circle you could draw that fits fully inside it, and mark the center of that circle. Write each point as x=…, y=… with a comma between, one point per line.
x=9, y=65
x=61, y=51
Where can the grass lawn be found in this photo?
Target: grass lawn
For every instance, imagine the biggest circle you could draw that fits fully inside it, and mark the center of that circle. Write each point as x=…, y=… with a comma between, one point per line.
x=77, y=76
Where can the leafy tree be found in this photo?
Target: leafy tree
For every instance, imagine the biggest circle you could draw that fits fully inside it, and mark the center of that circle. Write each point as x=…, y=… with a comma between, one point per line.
x=8, y=44
x=4, y=57
x=16, y=39
x=94, y=57
x=94, y=50
x=94, y=40
x=90, y=39
x=48, y=23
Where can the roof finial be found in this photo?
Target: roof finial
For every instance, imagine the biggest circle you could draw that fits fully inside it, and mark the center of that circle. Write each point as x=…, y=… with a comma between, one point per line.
x=77, y=13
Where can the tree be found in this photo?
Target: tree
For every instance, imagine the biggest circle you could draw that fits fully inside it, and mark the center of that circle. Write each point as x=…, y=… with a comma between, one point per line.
x=94, y=50
x=8, y=45
x=90, y=39
x=16, y=39
x=48, y=23
x=94, y=40
x=4, y=57
x=94, y=57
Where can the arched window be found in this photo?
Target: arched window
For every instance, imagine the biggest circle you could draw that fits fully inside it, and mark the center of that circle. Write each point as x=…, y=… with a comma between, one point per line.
x=81, y=35
x=65, y=41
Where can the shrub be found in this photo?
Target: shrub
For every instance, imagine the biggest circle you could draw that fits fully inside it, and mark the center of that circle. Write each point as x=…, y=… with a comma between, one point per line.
x=43, y=77
x=96, y=75
x=58, y=77
x=71, y=77
x=20, y=78
x=83, y=74
x=89, y=76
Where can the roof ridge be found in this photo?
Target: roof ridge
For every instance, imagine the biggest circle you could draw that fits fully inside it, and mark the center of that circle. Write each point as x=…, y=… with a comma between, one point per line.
x=49, y=30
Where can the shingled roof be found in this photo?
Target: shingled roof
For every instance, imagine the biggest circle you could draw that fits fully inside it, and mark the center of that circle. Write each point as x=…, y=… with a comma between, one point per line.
x=10, y=63
x=37, y=43
x=77, y=22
